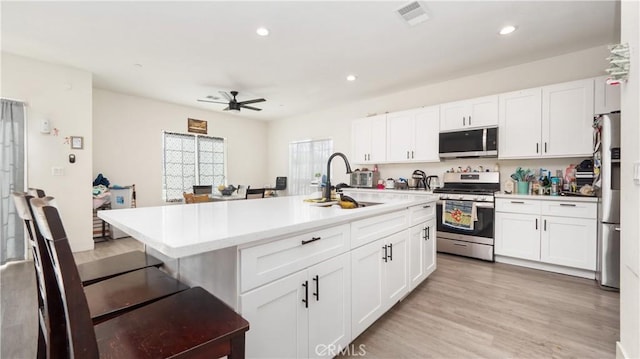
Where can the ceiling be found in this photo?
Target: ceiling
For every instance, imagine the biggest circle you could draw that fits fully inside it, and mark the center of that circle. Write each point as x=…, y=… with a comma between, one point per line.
x=182, y=51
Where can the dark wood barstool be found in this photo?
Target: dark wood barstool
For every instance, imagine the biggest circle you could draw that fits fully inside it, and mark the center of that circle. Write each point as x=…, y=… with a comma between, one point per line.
x=105, y=299
x=192, y=323
x=109, y=267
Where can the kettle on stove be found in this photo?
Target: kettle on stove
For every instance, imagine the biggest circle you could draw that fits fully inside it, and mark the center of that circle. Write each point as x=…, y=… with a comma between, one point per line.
x=433, y=182
x=420, y=179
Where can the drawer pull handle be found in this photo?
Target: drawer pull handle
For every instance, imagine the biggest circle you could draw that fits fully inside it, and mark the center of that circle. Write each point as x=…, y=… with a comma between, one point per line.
x=313, y=239
x=568, y=204
x=427, y=206
x=317, y=293
x=306, y=293
x=460, y=244
x=517, y=202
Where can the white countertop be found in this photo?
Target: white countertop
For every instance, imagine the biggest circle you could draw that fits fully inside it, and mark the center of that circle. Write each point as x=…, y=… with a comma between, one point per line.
x=548, y=198
x=393, y=191
x=188, y=229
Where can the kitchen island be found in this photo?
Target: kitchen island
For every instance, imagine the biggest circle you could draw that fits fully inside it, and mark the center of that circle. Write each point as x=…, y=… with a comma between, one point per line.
x=292, y=268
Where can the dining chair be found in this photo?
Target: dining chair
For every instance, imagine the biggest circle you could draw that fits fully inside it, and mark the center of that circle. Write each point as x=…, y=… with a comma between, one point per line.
x=107, y=298
x=112, y=266
x=251, y=193
x=202, y=189
x=192, y=323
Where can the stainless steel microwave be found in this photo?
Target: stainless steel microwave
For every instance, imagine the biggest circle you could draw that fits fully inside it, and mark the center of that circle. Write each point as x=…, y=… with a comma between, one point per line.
x=481, y=142
x=364, y=179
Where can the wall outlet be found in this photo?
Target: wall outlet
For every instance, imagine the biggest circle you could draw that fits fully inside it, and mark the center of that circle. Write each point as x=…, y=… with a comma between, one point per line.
x=57, y=171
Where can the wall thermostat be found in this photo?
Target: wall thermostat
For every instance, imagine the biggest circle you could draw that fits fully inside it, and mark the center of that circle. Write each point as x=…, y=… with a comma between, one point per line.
x=45, y=126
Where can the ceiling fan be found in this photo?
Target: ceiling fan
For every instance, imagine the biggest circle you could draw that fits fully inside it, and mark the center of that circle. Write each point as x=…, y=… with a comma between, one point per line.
x=233, y=104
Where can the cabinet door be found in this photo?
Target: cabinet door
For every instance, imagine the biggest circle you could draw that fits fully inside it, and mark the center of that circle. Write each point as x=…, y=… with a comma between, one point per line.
x=396, y=271
x=567, y=117
x=329, y=305
x=452, y=115
x=483, y=111
x=520, y=115
x=426, y=127
x=430, y=247
x=378, y=144
x=517, y=235
x=400, y=136
x=367, y=286
x=278, y=319
x=569, y=242
x=607, y=97
x=360, y=140
x=417, y=245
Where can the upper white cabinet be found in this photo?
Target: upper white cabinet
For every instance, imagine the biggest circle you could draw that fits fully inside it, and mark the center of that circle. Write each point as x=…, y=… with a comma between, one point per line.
x=477, y=112
x=520, y=123
x=607, y=97
x=368, y=139
x=552, y=121
x=567, y=117
x=412, y=135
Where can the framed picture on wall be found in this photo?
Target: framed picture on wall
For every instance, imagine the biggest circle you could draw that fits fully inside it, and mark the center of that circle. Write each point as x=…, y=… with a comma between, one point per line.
x=77, y=142
x=197, y=126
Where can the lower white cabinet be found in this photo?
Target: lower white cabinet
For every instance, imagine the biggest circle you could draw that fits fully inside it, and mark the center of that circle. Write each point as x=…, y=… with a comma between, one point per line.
x=422, y=251
x=380, y=278
x=298, y=316
x=560, y=233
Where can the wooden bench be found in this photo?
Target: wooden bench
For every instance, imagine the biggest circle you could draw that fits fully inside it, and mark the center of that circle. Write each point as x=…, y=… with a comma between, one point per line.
x=191, y=323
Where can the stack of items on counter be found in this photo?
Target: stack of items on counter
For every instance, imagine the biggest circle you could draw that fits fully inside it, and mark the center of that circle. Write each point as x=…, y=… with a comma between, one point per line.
x=576, y=181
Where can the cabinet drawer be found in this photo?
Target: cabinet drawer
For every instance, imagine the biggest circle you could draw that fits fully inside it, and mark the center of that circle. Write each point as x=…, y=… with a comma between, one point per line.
x=422, y=213
x=570, y=209
x=370, y=229
x=524, y=206
x=264, y=263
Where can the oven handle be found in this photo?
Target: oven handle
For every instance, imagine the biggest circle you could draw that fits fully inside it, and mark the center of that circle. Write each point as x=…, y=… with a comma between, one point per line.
x=478, y=204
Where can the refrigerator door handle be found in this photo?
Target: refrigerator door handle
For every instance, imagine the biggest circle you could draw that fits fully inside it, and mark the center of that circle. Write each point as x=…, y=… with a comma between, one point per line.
x=617, y=229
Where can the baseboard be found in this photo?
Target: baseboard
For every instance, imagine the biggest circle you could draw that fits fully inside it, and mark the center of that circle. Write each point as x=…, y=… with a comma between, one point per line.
x=547, y=267
x=620, y=353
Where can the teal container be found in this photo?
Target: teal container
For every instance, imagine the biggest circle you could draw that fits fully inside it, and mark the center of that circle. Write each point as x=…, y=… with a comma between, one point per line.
x=523, y=187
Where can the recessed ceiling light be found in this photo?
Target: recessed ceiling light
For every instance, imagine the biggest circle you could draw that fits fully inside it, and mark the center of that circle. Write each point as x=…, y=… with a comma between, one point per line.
x=351, y=77
x=262, y=31
x=507, y=30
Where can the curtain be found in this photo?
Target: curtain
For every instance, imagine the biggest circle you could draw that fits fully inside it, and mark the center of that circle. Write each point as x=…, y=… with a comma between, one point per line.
x=12, y=150
x=307, y=163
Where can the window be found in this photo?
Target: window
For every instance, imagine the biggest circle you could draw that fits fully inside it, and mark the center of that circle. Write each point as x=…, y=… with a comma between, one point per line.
x=191, y=160
x=307, y=160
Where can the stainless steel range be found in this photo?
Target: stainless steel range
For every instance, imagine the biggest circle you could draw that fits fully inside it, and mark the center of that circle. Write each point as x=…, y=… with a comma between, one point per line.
x=467, y=202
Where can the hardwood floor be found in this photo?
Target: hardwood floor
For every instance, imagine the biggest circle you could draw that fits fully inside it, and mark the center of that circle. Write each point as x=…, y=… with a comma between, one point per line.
x=466, y=309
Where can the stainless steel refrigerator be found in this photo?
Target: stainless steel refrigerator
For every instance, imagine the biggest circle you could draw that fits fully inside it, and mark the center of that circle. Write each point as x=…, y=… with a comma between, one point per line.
x=607, y=158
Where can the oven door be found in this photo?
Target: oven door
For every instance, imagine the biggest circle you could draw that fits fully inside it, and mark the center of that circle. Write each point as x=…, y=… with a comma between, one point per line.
x=483, y=228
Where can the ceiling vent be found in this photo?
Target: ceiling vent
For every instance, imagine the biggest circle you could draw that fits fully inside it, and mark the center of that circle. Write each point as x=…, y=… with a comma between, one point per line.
x=413, y=13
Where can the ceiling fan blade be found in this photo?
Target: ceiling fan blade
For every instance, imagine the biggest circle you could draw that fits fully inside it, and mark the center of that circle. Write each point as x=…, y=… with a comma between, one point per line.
x=252, y=101
x=226, y=95
x=224, y=103
x=250, y=107
x=226, y=108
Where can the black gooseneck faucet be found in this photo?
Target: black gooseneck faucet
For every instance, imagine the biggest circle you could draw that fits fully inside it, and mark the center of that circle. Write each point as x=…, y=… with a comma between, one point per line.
x=327, y=189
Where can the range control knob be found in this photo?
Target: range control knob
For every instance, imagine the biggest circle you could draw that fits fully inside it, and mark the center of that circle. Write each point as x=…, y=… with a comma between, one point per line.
x=461, y=197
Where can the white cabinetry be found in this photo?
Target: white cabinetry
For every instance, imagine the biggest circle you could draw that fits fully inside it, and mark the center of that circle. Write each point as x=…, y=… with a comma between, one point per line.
x=368, y=138
x=422, y=243
x=293, y=315
x=413, y=135
x=567, y=118
x=551, y=121
x=477, y=112
x=607, y=97
x=559, y=233
x=380, y=278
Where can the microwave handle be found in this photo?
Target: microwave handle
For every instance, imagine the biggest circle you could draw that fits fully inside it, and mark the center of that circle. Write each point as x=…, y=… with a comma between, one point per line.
x=484, y=139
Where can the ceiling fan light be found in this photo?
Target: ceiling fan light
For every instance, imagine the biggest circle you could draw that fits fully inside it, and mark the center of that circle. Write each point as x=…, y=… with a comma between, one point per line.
x=507, y=30
x=262, y=31
x=234, y=110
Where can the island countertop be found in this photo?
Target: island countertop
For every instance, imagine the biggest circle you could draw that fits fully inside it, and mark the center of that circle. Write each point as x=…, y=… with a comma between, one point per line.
x=188, y=229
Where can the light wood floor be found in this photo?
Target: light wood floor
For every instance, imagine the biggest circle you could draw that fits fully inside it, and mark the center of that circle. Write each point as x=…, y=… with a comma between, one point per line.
x=466, y=309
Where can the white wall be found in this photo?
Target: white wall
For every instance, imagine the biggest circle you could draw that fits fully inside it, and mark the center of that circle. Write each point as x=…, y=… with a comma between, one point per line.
x=127, y=136
x=629, y=345
x=63, y=96
x=335, y=122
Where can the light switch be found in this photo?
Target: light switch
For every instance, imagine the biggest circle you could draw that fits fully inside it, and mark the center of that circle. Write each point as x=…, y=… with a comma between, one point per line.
x=57, y=171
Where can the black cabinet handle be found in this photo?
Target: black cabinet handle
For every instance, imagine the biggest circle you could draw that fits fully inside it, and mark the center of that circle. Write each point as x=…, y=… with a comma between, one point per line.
x=385, y=253
x=517, y=202
x=568, y=204
x=463, y=121
x=537, y=147
x=427, y=231
x=317, y=293
x=306, y=293
x=411, y=154
x=407, y=154
x=469, y=120
x=427, y=206
x=424, y=233
x=545, y=147
x=545, y=224
x=536, y=224
x=313, y=239
x=390, y=251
